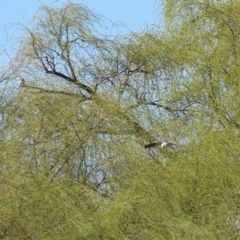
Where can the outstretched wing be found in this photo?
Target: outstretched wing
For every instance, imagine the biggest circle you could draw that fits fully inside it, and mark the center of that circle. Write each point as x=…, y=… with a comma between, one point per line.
x=153, y=145
x=170, y=144
x=162, y=144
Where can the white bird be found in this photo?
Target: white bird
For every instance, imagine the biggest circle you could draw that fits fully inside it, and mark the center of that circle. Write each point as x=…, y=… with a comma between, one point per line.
x=237, y=224
x=21, y=82
x=162, y=145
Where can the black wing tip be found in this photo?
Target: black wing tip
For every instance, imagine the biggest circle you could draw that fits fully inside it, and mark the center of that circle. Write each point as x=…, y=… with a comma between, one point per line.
x=152, y=145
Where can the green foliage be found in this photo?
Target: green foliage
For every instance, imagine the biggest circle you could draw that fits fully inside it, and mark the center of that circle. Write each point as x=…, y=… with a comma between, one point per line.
x=73, y=165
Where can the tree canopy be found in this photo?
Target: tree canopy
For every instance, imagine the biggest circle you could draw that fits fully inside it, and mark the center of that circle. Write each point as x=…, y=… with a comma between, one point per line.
x=73, y=162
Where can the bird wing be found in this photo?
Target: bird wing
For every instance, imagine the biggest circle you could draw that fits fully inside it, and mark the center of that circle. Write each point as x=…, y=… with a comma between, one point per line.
x=169, y=144
x=153, y=145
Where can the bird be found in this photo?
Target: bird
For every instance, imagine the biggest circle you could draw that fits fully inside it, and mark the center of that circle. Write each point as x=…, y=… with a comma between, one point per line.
x=21, y=82
x=162, y=145
x=237, y=224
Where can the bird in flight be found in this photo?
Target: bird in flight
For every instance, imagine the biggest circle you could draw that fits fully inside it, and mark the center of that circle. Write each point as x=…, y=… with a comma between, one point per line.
x=162, y=145
x=21, y=82
x=237, y=224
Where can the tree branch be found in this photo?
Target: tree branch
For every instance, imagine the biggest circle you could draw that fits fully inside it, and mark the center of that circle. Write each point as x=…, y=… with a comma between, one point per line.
x=79, y=84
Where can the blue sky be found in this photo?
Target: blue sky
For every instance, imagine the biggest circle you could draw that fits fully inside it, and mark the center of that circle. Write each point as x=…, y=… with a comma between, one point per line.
x=137, y=14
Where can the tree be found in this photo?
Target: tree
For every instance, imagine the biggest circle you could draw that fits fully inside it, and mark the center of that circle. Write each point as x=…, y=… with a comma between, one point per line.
x=73, y=161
